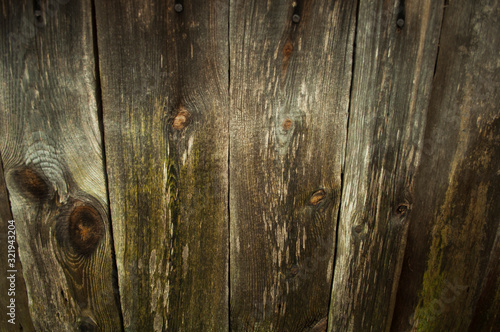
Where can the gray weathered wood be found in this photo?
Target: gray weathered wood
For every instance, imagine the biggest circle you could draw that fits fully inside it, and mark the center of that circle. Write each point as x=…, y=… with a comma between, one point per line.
x=51, y=149
x=393, y=73
x=22, y=315
x=164, y=86
x=289, y=94
x=450, y=279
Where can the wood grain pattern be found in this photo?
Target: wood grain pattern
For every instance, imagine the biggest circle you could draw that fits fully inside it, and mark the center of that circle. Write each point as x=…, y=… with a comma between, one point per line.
x=450, y=279
x=22, y=320
x=51, y=150
x=299, y=165
x=290, y=82
x=164, y=81
x=393, y=72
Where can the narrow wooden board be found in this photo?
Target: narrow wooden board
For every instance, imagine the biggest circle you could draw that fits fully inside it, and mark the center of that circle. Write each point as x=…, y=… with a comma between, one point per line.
x=290, y=85
x=449, y=281
x=21, y=321
x=393, y=73
x=164, y=86
x=51, y=149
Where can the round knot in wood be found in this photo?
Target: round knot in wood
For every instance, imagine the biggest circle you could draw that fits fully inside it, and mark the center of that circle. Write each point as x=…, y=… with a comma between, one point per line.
x=287, y=124
x=85, y=229
x=402, y=209
x=31, y=184
x=181, y=119
x=317, y=197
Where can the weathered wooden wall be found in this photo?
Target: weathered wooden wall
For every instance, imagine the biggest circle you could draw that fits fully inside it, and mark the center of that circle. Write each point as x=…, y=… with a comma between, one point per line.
x=303, y=165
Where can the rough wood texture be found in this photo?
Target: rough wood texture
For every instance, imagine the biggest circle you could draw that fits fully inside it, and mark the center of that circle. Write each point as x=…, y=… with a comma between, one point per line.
x=164, y=84
x=289, y=93
x=391, y=86
x=51, y=149
x=450, y=279
x=251, y=186
x=486, y=316
x=22, y=319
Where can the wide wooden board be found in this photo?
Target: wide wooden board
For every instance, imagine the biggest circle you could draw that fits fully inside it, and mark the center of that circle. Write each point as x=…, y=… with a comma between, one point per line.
x=450, y=279
x=164, y=72
x=396, y=47
x=50, y=145
x=291, y=65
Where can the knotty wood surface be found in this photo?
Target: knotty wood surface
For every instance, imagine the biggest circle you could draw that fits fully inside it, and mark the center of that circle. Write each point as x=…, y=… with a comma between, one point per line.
x=50, y=145
x=289, y=93
x=255, y=165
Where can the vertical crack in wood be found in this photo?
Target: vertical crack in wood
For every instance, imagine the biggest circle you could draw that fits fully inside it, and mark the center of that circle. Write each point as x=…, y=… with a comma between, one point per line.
x=328, y=322
x=439, y=41
x=100, y=117
x=229, y=166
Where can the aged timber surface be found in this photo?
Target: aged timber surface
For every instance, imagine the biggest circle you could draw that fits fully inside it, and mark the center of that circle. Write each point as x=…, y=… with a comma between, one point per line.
x=164, y=74
x=22, y=315
x=396, y=46
x=450, y=278
x=50, y=145
x=290, y=80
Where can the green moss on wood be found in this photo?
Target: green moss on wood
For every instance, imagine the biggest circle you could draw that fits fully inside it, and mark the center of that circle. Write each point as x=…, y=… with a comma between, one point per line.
x=460, y=237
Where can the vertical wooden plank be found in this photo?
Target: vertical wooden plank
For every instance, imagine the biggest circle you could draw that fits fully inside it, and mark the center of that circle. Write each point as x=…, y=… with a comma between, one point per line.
x=450, y=276
x=164, y=77
x=51, y=149
x=396, y=45
x=21, y=320
x=290, y=82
